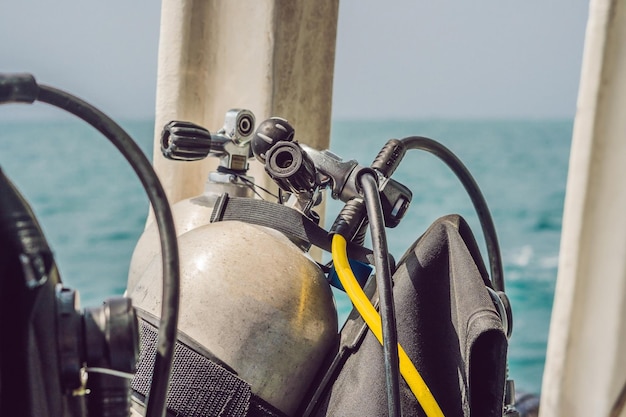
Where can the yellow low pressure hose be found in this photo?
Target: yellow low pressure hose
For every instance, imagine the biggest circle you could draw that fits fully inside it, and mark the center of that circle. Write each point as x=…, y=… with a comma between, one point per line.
x=372, y=318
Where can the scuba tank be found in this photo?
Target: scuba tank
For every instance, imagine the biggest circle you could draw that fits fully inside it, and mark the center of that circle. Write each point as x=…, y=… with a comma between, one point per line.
x=254, y=303
x=257, y=311
x=183, y=141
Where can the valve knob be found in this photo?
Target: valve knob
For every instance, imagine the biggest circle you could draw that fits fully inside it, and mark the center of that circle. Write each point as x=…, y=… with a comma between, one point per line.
x=185, y=141
x=268, y=134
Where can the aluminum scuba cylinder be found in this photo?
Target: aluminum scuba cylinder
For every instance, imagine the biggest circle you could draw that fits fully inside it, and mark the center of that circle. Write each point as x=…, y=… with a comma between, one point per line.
x=186, y=141
x=249, y=295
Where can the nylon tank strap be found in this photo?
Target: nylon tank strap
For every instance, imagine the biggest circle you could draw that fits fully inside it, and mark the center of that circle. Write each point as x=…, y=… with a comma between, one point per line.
x=286, y=220
x=199, y=386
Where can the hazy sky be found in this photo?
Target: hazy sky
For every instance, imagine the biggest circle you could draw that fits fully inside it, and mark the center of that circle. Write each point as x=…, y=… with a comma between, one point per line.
x=403, y=58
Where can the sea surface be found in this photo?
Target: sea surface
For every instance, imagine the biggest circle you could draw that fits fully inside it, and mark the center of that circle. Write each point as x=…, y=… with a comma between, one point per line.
x=93, y=208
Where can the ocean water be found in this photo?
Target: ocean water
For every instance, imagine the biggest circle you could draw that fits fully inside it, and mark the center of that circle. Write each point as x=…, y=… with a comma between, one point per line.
x=93, y=208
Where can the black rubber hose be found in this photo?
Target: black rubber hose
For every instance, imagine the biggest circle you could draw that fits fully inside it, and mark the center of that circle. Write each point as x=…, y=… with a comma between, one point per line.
x=367, y=182
x=165, y=223
x=480, y=205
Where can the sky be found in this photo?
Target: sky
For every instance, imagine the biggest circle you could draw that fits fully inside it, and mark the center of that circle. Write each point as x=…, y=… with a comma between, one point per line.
x=399, y=59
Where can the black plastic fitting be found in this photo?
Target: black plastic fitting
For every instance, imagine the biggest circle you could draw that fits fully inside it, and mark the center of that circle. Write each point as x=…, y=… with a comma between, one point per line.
x=18, y=88
x=389, y=157
x=350, y=219
x=185, y=141
x=269, y=133
x=291, y=168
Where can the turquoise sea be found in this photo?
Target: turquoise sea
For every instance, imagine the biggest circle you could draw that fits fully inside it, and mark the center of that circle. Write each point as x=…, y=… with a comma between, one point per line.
x=93, y=208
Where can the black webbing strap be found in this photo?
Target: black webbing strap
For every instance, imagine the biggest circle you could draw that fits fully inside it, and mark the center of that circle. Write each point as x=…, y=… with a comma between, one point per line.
x=199, y=387
x=286, y=220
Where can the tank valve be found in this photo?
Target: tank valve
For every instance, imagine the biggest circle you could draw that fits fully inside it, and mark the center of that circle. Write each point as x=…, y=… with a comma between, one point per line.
x=185, y=141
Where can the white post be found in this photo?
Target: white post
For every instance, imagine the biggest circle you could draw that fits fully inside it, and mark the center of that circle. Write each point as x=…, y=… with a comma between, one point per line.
x=586, y=358
x=274, y=57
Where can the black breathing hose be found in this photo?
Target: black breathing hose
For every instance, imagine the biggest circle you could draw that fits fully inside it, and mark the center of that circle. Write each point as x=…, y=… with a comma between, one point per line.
x=369, y=185
x=165, y=223
x=480, y=205
x=23, y=88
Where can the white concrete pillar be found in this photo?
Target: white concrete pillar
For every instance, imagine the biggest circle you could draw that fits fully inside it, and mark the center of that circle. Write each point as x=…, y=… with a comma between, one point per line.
x=274, y=57
x=586, y=360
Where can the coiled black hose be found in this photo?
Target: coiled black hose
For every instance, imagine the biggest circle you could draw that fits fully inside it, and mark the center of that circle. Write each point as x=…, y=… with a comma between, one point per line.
x=22, y=88
x=480, y=205
x=165, y=223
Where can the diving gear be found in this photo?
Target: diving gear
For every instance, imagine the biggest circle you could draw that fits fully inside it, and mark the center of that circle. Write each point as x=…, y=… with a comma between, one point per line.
x=35, y=331
x=270, y=318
